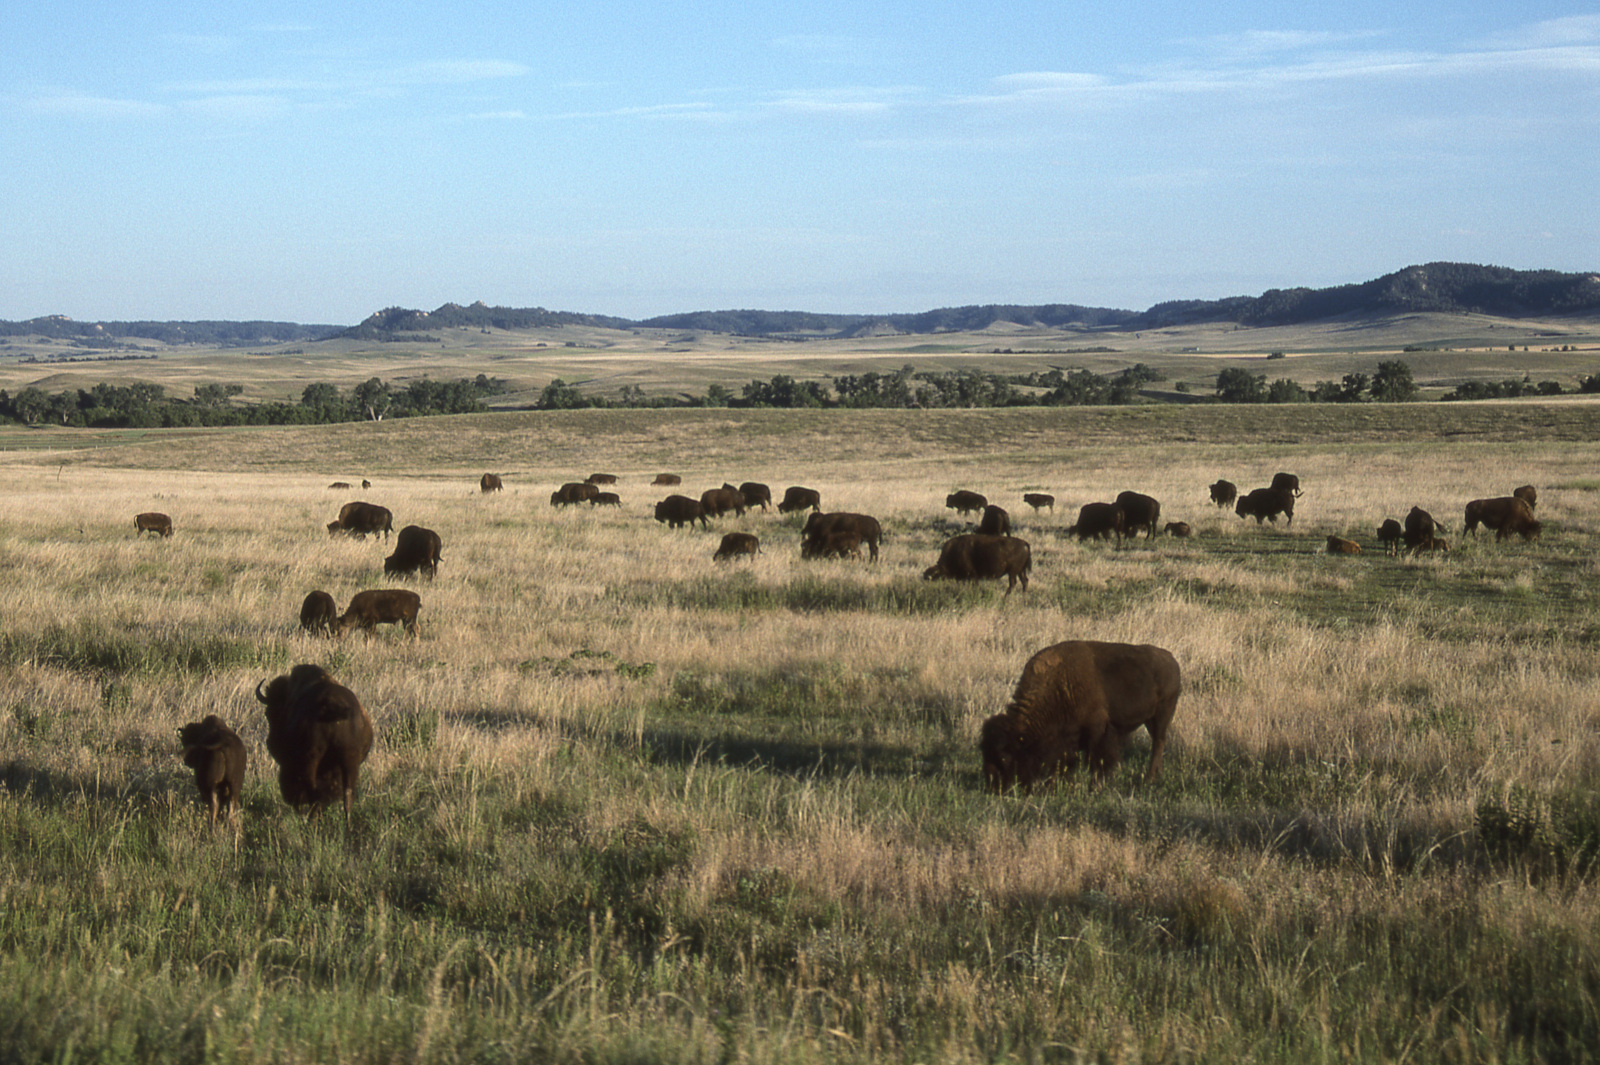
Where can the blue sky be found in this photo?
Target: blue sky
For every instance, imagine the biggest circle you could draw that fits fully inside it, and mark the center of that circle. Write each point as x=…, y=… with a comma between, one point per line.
x=317, y=162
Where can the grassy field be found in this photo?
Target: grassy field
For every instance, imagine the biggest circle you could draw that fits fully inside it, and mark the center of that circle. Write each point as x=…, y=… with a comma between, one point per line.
x=628, y=804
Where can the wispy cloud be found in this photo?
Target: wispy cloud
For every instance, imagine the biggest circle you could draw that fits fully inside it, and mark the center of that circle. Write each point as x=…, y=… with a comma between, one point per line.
x=853, y=100
x=88, y=106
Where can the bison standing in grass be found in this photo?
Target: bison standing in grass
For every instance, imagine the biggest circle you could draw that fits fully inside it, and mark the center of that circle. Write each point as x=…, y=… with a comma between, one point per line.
x=821, y=528
x=358, y=519
x=1180, y=529
x=152, y=521
x=678, y=511
x=319, y=613
x=1097, y=521
x=573, y=492
x=667, y=478
x=490, y=482
x=977, y=557
x=1390, y=534
x=736, y=544
x=1528, y=494
x=1267, y=503
x=380, y=606
x=1081, y=696
x=965, y=502
x=718, y=501
x=798, y=498
x=415, y=548
x=218, y=759
x=318, y=733
x=1139, y=511
x=1223, y=493
x=995, y=521
x=1287, y=482
x=1419, y=530
x=756, y=494
x=1505, y=515
x=1040, y=501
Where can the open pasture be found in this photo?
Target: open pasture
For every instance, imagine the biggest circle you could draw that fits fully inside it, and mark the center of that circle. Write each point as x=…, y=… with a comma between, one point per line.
x=627, y=803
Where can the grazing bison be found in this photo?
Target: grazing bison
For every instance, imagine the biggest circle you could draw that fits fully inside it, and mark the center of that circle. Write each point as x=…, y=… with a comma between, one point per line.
x=667, y=478
x=843, y=542
x=964, y=502
x=819, y=528
x=1267, y=503
x=380, y=606
x=797, y=498
x=152, y=521
x=490, y=482
x=334, y=528
x=677, y=511
x=358, y=519
x=976, y=557
x=1528, y=494
x=995, y=521
x=1139, y=512
x=1081, y=696
x=1040, y=501
x=1223, y=493
x=339, y=484
x=1505, y=515
x=1097, y=521
x=318, y=733
x=605, y=499
x=573, y=492
x=414, y=548
x=1288, y=482
x=319, y=613
x=1390, y=534
x=601, y=478
x=1419, y=530
x=756, y=494
x=718, y=501
x=365, y=483
x=1178, y=528
x=218, y=759
x=1338, y=545
x=735, y=544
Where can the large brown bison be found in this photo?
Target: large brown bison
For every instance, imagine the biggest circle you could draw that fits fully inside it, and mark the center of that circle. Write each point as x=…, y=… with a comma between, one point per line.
x=718, y=501
x=1338, y=545
x=358, y=519
x=1419, y=530
x=152, y=521
x=819, y=528
x=415, y=548
x=601, y=478
x=735, y=544
x=1267, y=503
x=678, y=511
x=1390, y=534
x=1505, y=515
x=843, y=542
x=756, y=494
x=798, y=498
x=1528, y=494
x=380, y=606
x=318, y=733
x=667, y=478
x=1223, y=493
x=995, y=521
x=1040, y=501
x=1081, y=696
x=1097, y=521
x=490, y=482
x=218, y=759
x=319, y=613
x=573, y=492
x=965, y=502
x=976, y=557
x=1139, y=512
x=1287, y=482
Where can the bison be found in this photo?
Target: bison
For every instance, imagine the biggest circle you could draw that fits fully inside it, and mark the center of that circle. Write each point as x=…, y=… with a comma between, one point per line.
x=573, y=492
x=995, y=521
x=1528, y=494
x=1419, y=530
x=490, y=482
x=1505, y=515
x=1179, y=529
x=964, y=502
x=1099, y=520
x=319, y=613
x=1390, y=534
x=797, y=498
x=843, y=542
x=365, y=483
x=380, y=606
x=318, y=733
x=1139, y=512
x=667, y=478
x=680, y=510
x=152, y=521
x=605, y=499
x=218, y=759
x=339, y=485
x=1040, y=501
x=358, y=519
x=1267, y=503
x=735, y=544
x=756, y=494
x=718, y=501
x=1287, y=482
x=819, y=528
x=414, y=548
x=601, y=478
x=1338, y=545
x=1081, y=696
x=976, y=557
x=1223, y=493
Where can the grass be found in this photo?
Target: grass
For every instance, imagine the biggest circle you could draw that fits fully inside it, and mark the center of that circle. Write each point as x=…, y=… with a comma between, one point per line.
x=631, y=804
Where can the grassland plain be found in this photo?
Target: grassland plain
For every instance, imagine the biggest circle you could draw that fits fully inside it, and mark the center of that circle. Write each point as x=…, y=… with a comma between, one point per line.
x=629, y=804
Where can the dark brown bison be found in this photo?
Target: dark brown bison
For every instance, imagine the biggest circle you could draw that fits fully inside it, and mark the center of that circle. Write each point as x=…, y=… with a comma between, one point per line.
x=756, y=494
x=1267, y=503
x=318, y=733
x=964, y=502
x=976, y=557
x=1139, y=512
x=1390, y=534
x=1097, y=521
x=1338, y=545
x=667, y=478
x=218, y=759
x=340, y=485
x=319, y=613
x=334, y=528
x=358, y=519
x=490, y=482
x=380, y=606
x=677, y=511
x=1528, y=494
x=843, y=542
x=1505, y=515
x=573, y=492
x=151, y=521
x=605, y=499
x=1040, y=501
x=601, y=478
x=365, y=483
x=1081, y=696
x=995, y=521
x=415, y=548
x=735, y=544
x=1287, y=482
x=797, y=498
x=1179, y=529
x=819, y=528
x=718, y=501
x=1419, y=529
x=1223, y=493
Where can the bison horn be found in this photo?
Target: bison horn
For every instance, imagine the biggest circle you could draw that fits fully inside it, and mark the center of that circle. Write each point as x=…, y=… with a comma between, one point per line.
x=259, y=696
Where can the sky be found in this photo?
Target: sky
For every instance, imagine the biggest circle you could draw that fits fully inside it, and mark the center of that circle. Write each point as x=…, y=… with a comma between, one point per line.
x=318, y=162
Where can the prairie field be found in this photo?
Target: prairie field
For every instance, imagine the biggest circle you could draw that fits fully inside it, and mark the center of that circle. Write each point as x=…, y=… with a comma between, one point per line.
x=630, y=804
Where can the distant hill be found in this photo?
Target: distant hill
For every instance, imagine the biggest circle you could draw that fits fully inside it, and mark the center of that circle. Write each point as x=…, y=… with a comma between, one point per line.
x=1450, y=288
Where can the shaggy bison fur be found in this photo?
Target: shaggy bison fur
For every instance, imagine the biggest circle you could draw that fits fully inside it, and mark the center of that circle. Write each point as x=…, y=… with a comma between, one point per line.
x=964, y=502
x=1097, y=521
x=1267, y=503
x=1338, y=545
x=678, y=511
x=977, y=557
x=756, y=494
x=1505, y=515
x=819, y=528
x=1139, y=512
x=1223, y=493
x=1288, y=482
x=995, y=521
x=415, y=548
x=218, y=759
x=318, y=733
x=358, y=519
x=319, y=613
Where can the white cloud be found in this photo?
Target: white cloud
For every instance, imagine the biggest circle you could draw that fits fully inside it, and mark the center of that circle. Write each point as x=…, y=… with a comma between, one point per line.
x=86, y=105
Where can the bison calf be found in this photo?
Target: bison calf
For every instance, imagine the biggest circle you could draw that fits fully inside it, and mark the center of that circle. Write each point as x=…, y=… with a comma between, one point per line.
x=319, y=613
x=318, y=733
x=1179, y=529
x=1040, y=501
x=1390, y=535
x=380, y=606
x=152, y=521
x=735, y=544
x=1338, y=545
x=965, y=502
x=218, y=759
